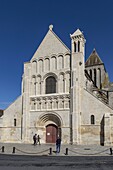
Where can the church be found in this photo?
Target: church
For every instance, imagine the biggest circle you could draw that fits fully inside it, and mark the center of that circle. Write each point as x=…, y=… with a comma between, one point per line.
x=62, y=94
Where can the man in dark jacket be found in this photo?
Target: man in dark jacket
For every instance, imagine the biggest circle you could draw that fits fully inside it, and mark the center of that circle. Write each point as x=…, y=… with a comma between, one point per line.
x=58, y=144
x=34, y=139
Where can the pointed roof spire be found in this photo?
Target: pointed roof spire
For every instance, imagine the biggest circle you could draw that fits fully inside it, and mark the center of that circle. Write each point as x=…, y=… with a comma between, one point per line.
x=94, y=50
x=93, y=59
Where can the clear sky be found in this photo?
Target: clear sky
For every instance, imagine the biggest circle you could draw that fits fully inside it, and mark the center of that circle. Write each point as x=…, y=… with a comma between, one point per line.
x=24, y=23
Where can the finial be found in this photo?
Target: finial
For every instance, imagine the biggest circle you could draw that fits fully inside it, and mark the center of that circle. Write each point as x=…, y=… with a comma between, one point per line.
x=51, y=27
x=94, y=50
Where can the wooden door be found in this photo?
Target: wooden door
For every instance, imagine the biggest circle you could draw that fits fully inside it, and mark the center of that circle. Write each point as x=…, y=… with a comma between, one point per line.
x=51, y=133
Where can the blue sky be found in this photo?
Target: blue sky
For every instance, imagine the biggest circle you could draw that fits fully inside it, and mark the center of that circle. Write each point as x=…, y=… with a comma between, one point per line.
x=24, y=23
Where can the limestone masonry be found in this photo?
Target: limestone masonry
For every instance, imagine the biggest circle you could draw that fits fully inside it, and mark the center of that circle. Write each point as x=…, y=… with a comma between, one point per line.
x=62, y=95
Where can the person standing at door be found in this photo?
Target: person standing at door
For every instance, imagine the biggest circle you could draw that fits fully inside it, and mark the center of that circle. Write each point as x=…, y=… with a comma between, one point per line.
x=58, y=144
x=38, y=139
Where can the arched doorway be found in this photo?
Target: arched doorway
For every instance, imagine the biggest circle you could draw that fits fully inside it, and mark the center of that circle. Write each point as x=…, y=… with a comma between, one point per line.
x=52, y=124
x=51, y=133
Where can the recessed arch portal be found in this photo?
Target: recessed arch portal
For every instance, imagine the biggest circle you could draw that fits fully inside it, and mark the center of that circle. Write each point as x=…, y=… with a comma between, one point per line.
x=50, y=117
x=52, y=124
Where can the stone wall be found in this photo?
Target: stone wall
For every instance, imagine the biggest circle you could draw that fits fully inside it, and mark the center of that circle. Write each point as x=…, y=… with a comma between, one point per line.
x=39, y=121
x=93, y=133
x=11, y=128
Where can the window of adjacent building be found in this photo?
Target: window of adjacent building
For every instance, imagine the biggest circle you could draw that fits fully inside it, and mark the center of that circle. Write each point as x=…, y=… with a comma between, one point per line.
x=14, y=122
x=92, y=119
x=50, y=85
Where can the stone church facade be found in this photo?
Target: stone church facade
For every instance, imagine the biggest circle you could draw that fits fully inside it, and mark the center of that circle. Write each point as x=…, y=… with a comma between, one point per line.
x=62, y=95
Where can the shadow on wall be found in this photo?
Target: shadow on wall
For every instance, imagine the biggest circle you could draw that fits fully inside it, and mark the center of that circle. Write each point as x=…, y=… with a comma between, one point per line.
x=102, y=137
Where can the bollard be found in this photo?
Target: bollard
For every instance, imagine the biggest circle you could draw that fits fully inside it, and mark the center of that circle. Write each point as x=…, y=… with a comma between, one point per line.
x=110, y=151
x=66, y=151
x=50, y=149
x=2, y=148
x=13, y=150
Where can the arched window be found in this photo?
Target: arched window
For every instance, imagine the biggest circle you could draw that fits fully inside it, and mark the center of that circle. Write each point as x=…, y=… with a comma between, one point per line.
x=78, y=46
x=60, y=62
x=34, y=67
x=92, y=119
x=95, y=77
x=54, y=63
x=90, y=72
x=33, y=85
x=75, y=48
x=50, y=85
x=14, y=122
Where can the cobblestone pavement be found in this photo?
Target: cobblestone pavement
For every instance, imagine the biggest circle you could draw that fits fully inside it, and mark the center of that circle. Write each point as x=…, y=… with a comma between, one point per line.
x=50, y=149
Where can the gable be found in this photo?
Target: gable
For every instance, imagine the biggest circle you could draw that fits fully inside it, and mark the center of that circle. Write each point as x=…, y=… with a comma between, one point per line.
x=50, y=45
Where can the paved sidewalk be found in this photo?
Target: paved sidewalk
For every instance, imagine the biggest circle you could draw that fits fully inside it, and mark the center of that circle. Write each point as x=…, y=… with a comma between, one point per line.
x=44, y=149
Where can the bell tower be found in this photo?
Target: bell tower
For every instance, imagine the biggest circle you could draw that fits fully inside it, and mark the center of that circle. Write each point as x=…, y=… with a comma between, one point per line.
x=78, y=41
x=77, y=82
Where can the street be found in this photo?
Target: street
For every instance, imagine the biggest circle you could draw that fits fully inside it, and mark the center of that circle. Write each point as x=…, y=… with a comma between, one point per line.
x=20, y=162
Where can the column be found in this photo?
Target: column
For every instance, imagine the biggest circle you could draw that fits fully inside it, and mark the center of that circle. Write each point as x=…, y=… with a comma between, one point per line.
x=98, y=78
x=107, y=129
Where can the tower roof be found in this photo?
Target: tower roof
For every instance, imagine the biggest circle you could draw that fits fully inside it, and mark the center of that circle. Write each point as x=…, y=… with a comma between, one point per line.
x=93, y=59
x=76, y=33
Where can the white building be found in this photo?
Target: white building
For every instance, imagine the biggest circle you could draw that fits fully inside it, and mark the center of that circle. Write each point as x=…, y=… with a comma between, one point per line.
x=62, y=95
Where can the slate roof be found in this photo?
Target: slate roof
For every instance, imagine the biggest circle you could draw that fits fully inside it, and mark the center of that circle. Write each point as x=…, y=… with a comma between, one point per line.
x=93, y=59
